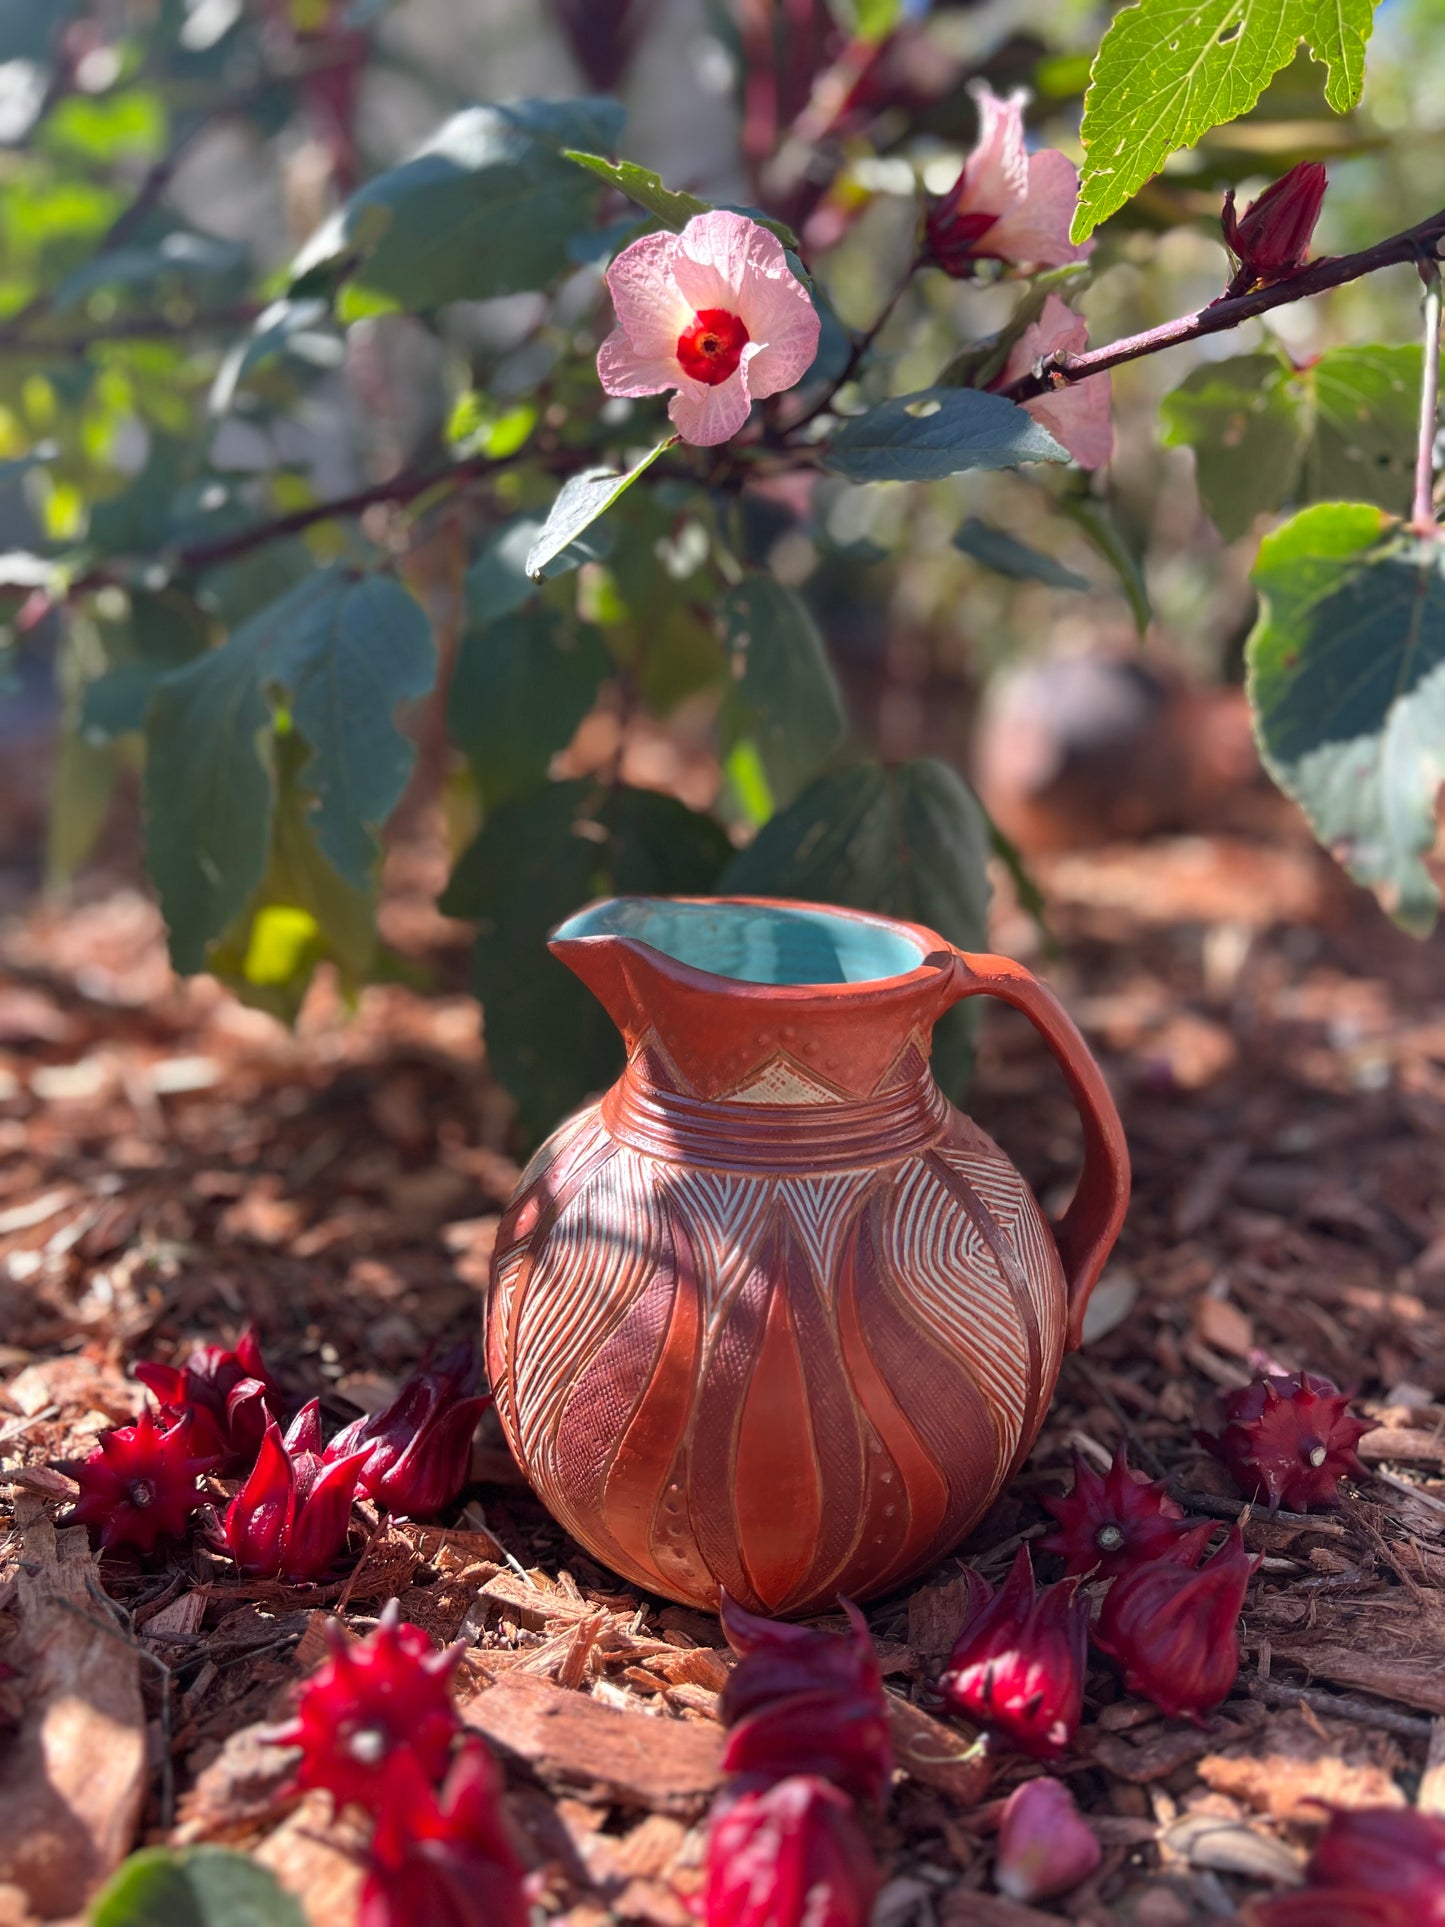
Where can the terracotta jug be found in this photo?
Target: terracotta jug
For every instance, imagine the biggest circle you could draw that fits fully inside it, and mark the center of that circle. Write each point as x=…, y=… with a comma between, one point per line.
x=773, y=1315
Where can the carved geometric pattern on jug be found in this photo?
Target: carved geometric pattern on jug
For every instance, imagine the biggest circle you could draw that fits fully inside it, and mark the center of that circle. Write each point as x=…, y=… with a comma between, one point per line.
x=723, y=1215
x=950, y=1275
x=1006, y=1194
x=907, y=1067
x=823, y=1210
x=598, y=1255
x=782, y=1080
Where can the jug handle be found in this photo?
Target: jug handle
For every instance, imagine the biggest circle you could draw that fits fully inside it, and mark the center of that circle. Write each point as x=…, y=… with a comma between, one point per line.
x=1085, y=1234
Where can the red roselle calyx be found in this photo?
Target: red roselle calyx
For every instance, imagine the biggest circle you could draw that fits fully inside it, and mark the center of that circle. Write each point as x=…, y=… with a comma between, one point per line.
x=1394, y=1851
x=226, y=1394
x=416, y=1452
x=804, y=1702
x=1290, y=1440
x=1017, y=1667
x=140, y=1484
x=1172, y=1628
x=291, y=1516
x=1106, y=1525
x=1045, y=1846
x=1271, y=238
x=443, y=1859
x=373, y=1697
x=793, y=1855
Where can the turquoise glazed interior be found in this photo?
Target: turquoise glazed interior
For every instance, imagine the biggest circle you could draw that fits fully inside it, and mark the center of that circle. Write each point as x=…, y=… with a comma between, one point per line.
x=753, y=944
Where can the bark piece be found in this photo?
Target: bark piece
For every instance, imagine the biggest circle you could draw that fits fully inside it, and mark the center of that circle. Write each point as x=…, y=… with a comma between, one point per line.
x=72, y=1778
x=576, y=1745
x=319, y=1859
x=929, y=1751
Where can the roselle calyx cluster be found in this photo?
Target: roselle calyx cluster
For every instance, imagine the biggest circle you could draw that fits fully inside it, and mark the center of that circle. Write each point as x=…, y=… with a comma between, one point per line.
x=1271, y=239
x=1111, y=1523
x=290, y=1518
x=140, y=1484
x=1017, y=1666
x=414, y=1454
x=1372, y=1867
x=807, y=1744
x=1289, y=1439
x=1172, y=1625
x=228, y=1396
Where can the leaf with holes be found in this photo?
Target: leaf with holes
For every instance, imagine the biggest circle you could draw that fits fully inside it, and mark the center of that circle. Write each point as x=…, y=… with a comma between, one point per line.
x=1347, y=684
x=783, y=697
x=910, y=841
x=940, y=431
x=1169, y=70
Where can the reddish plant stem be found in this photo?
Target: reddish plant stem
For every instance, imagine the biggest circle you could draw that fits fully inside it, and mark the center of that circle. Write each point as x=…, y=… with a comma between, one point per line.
x=1417, y=244
x=1423, y=518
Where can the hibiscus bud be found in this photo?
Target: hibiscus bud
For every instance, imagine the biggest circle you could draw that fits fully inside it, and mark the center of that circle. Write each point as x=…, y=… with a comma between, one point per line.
x=417, y=1451
x=226, y=1394
x=1045, y=1847
x=139, y=1484
x=793, y=1856
x=1289, y=1440
x=1007, y=204
x=1108, y=1524
x=370, y=1698
x=1173, y=1628
x=805, y=1702
x=1017, y=1667
x=1271, y=238
x=1393, y=1851
x=291, y=1516
x=443, y=1859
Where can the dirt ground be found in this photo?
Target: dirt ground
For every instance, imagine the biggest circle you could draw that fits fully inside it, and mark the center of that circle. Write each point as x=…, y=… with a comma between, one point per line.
x=172, y=1165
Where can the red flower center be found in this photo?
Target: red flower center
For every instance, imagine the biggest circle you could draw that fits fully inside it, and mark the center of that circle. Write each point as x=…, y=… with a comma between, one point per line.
x=712, y=347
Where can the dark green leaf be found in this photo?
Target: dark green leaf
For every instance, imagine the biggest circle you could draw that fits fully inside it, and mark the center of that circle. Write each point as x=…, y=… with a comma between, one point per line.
x=486, y=207
x=30, y=31
x=578, y=504
x=909, y=841
x=1099, y=526
x=941, y=431
x=1245, y=421
x=540, y=857
x=498, y=582
x=1169, y=70
x=784, y=696
x=181, y=264
x=1347, y=683
x=157, y=634
x=1006, y=555
x=290, y=344
x=521, y=686
x=199, y=1887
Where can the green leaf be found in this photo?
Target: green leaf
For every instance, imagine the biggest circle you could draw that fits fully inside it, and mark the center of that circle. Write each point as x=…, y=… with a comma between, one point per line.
x=1266, y=434
x=199, y=1887
x=158, y=634
x=540, y=857
x=1169, y=70
x=670, y=206
x=1006, y=555
x=1094, y=521
x=784, y=696
x=486, y=207
x=521, y=686
x=940, y=431
x=343, y=651
x=579, y=503
x=909, y=841
x=497, y=583
x=1347, y=683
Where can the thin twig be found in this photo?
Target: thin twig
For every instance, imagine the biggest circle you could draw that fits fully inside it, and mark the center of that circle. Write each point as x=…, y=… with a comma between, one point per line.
x=1416, y=244
x=1423, y=518
x=1278, y=1692
x=861, y=344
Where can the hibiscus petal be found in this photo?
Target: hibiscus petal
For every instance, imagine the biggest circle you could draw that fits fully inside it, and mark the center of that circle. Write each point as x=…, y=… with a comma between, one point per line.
x=784, y=326
x=622, y=370
x=651, y=312
x=720, y=255
x=1078, y=416
x=996, y=176
x=706, y=416
x=1037, y=230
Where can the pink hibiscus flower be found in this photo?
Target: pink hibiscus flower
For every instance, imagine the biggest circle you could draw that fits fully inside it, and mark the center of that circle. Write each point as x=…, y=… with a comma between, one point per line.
x=1006, y=205
x=714, y=313
x=1077, y=414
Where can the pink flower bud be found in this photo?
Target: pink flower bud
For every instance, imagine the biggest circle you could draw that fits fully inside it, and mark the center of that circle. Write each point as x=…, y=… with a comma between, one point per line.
x=140, y=1484
x=226, y=1394
x=417, y=1451
x=793, y=1856
x=1289, y=1440
x=805, y=1702
x=1017, y=1667
x=1045, y=1847
x=1109, y=1524
x=1173, y=1628
x=1007, y=204
x=373, y=1696
x=291, y=1516
x=1271, y=238
x=443, y=1859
